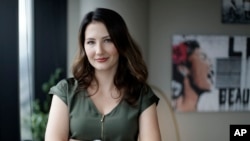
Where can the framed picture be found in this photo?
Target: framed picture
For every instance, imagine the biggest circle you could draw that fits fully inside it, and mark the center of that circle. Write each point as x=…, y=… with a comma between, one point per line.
x=235, y=11
x=210, y=73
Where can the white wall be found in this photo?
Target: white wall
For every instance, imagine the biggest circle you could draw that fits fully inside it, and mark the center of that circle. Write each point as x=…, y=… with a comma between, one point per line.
x=168, y=17
x=152, y=23
x=73, y=27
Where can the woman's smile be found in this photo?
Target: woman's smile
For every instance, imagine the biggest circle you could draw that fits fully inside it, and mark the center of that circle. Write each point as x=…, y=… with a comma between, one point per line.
x=102, y=60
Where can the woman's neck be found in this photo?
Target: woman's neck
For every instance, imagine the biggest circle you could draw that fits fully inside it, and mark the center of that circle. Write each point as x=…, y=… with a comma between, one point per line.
x=105, y=80
x=189, y=93
x=189, y=100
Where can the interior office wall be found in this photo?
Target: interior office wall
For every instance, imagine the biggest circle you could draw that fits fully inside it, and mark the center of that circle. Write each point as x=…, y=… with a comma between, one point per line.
x=73, y=12
x=169, y=17
x=134, y=12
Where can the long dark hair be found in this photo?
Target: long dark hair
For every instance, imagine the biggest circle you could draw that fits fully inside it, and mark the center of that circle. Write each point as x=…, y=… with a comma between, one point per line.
x=132, y=73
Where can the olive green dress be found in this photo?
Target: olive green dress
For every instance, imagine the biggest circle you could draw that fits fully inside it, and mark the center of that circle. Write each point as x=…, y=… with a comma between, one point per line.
x=87, y=123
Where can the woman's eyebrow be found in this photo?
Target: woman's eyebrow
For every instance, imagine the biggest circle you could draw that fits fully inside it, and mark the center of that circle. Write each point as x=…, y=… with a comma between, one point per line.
x=105, y=37
x=90, y=38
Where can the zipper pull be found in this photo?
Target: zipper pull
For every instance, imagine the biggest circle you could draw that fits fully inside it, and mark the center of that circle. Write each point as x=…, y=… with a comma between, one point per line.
x=102, y=127
x=102, y=119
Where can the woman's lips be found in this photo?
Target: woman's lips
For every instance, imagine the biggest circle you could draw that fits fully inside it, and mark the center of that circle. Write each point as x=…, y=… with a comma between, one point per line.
x=210, y=76
x=101, y=59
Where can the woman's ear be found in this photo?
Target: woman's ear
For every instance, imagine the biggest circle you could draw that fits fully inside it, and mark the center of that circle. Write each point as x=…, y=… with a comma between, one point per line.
x=183, y=70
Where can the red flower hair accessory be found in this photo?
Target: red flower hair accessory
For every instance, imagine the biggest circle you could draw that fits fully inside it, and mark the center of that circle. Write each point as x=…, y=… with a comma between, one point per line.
x=179, y=55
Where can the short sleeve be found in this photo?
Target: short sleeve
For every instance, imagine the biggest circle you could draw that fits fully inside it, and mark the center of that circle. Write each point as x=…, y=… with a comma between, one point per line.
x=148, y=98
x=61, y=90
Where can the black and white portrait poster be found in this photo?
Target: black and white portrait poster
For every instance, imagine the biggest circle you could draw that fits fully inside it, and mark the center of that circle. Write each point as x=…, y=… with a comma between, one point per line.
x=210, y=73
x=236, y=11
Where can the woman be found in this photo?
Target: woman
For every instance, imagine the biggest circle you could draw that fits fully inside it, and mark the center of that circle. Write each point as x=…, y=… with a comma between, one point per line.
x=108, y=99
x=192, y=75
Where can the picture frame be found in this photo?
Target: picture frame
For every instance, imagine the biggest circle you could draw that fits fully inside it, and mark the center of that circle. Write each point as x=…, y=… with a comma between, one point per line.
x=210, y=73
x=235, y=11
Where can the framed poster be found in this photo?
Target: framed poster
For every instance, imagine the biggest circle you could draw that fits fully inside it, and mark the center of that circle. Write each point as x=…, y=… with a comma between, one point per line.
x=210, y=73
x=235, y=11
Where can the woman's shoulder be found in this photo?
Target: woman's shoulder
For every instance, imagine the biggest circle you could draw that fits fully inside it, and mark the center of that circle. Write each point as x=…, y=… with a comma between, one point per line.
x=65, y=85
x=146, y=90
x=67, y=82
x=71, y=81
x=65, y=89
x=148, y=97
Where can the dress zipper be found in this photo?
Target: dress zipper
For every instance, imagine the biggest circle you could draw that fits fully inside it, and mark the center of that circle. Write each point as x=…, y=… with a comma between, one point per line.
x=102, y=126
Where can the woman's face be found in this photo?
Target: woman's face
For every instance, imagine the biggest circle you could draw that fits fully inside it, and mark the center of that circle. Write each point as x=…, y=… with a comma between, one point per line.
x=201, y=70
x=99, y=47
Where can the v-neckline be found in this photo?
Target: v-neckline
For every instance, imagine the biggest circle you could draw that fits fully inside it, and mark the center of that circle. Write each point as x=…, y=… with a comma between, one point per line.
x=100, y=113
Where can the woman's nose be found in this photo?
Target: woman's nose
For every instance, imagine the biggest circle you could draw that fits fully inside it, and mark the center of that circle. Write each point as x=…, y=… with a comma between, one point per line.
x=99, y=48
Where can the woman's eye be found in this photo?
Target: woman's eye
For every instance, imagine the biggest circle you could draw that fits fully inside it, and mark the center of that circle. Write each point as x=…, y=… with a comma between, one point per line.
x=90, y=42
x=108, y=40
